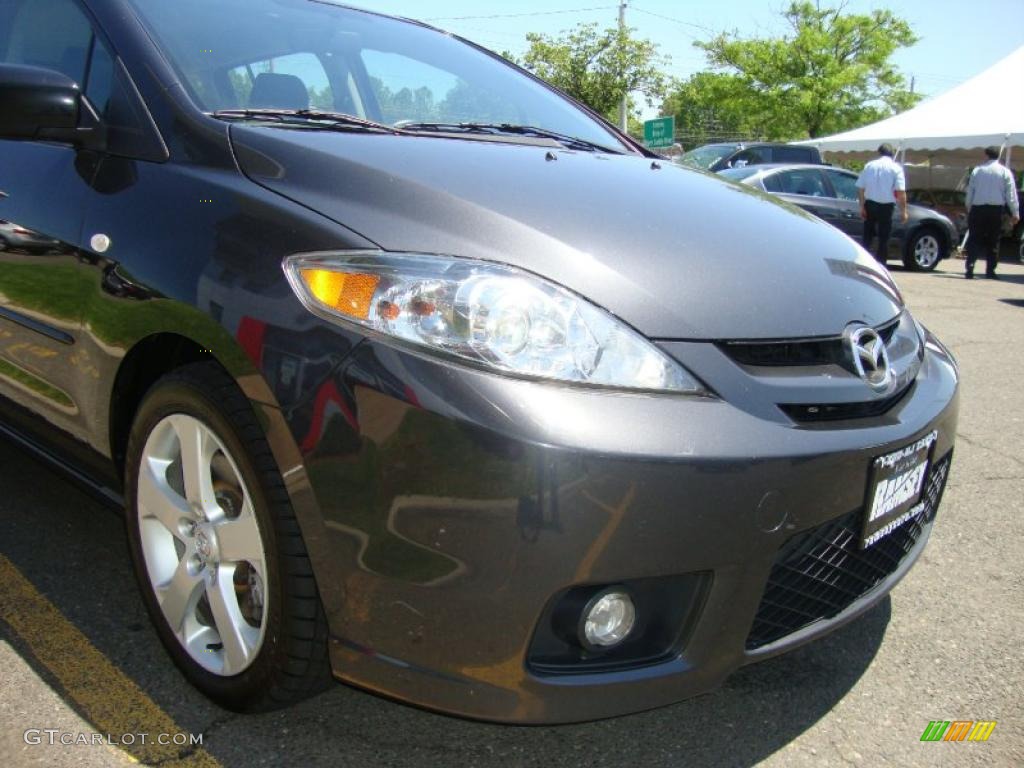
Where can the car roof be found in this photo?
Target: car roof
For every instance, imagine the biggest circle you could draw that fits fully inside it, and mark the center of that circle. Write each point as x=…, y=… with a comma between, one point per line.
x=746, y=144
x=763, y=168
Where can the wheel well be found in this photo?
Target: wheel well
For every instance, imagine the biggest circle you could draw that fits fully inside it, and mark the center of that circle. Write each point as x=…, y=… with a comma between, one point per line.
x=147, y=362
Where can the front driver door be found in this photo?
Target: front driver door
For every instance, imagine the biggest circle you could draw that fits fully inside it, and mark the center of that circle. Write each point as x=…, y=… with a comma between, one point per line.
x=847, y=203
x=805, y=187
x=43, y=192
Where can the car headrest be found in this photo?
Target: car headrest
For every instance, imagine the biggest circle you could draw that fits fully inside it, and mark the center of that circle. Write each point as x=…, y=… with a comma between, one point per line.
x=276, y=90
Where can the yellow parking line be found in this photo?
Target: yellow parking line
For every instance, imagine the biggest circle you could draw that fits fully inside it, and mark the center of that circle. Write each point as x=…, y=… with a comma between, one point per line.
x=615, y=517
x=104, y=696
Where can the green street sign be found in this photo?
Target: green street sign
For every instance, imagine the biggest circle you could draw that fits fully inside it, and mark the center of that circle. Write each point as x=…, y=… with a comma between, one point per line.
x=660, y=132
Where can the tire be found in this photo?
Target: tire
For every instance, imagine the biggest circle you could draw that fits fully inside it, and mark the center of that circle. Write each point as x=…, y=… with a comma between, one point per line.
x=925, y=250
x=217, y=551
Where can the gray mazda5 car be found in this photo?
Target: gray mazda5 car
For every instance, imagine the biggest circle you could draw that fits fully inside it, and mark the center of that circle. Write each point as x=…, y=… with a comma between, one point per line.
x=409, y=370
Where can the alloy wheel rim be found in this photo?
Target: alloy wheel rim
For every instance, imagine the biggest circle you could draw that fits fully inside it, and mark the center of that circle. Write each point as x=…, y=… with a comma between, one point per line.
x=926, y=250
x=202, y=546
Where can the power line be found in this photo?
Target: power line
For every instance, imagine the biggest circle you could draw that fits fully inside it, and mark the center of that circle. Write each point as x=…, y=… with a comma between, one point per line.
x=522, y=15
x=674, y=20
x=487, y=31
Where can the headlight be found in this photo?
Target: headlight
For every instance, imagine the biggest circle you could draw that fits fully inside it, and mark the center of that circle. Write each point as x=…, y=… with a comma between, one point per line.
x=487, y=314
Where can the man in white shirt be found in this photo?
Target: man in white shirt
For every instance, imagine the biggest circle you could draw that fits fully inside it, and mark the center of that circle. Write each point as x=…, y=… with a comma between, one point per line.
x=879, y=187
x=990, y=191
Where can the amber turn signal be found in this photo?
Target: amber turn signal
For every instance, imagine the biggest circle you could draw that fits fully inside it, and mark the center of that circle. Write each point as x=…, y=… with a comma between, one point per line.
x=345, y=292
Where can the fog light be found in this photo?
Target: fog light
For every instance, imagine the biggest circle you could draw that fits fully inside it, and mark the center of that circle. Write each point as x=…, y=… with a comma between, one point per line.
x=608, y=619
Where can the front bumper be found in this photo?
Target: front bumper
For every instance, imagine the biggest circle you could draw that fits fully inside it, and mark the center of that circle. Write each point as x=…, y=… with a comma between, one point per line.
x=455, y=505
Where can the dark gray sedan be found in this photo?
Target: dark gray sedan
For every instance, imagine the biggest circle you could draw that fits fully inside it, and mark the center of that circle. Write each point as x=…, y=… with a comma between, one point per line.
x=831, y=194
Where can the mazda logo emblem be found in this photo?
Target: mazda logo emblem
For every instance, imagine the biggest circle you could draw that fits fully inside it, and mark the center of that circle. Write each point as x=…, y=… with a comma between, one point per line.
x=870, y=357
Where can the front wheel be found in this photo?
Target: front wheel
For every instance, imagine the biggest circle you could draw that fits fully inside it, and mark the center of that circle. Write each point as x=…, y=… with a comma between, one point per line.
x=216, y=548
x=924, y=251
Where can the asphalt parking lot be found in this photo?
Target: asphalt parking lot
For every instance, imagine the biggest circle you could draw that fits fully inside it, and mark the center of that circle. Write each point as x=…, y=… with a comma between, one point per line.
x=78, y=655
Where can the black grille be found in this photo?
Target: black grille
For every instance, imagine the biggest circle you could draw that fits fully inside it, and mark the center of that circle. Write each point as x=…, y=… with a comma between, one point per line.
x=821, y=572
x=828, y=351
x=809, y=414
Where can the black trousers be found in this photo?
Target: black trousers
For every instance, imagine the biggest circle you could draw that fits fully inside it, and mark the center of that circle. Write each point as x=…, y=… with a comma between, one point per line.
x=986, y=225
x=879, y=218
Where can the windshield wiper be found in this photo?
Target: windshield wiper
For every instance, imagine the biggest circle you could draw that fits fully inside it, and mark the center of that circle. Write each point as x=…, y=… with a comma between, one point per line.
x=499, y=129
x=343, y=120
x=332, y=119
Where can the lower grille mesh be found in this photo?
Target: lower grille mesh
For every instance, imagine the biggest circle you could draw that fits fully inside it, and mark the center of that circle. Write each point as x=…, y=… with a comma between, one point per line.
x=821, y=572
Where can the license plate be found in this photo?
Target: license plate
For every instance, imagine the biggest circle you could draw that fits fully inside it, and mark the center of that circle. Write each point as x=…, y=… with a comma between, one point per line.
x=894, y=491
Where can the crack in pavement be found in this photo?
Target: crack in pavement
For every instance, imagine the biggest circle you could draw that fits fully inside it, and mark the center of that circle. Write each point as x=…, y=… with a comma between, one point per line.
x=978, y=444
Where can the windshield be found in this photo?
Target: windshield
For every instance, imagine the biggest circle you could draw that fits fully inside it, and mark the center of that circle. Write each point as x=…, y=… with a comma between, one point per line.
x=311, y=54
x=704, y=157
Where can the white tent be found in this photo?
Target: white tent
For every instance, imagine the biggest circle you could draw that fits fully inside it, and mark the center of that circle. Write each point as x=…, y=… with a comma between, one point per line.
x=986, y=110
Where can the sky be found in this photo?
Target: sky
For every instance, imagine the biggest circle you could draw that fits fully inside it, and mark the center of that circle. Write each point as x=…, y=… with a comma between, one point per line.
x=957, y=39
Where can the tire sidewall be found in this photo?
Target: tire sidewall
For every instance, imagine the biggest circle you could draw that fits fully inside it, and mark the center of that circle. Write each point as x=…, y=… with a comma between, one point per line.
x=180, y=396
x=911, y=261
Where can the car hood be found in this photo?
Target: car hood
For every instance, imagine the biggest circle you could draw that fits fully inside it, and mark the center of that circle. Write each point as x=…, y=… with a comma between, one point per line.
x=678, y=254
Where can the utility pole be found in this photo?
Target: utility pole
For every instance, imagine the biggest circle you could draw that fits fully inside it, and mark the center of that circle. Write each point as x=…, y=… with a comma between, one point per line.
x=624, y=106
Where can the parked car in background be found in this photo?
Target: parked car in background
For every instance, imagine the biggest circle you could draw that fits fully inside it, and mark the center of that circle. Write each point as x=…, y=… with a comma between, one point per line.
x=831, y=194
x=951, y=203
x=16, y=238
x=718, y=157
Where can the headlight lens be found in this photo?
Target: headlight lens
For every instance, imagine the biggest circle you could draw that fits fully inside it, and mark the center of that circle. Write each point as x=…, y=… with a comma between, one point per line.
x=488, y=314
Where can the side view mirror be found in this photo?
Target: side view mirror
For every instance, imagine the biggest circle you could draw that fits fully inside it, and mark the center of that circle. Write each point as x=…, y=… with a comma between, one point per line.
x=43, y=104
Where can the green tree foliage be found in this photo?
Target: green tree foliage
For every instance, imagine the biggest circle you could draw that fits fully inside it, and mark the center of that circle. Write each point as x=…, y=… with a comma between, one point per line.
x=830, y=72
x=598, y=67
x=717, y=106
x=241, y=84
x=321, y=99
x=462, y=103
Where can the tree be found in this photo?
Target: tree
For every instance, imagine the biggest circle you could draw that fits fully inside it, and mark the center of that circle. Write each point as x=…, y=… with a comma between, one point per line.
x=829, y=73
x=598, y=68
x=473, y=104
x=717, y=106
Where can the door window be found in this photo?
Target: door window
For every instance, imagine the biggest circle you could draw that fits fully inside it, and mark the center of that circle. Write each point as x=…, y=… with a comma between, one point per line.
x=844, y=184
x=101, y=79
x=130, y=130
x=53, y=34
x=752, y=156
x=803, y=181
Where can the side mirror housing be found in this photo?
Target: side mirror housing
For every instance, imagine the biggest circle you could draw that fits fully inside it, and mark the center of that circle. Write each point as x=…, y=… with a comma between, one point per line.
x=44, y=105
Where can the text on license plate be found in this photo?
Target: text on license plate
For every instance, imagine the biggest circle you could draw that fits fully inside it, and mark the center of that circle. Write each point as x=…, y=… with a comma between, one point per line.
x=897, y=480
